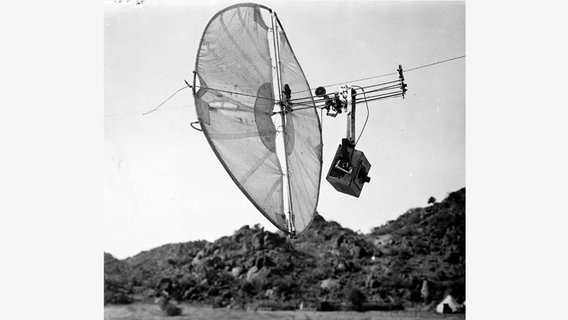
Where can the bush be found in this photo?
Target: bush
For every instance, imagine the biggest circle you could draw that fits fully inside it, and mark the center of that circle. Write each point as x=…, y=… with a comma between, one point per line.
x=248, y=288
x=356, y=297
x=415, y=296
x=285, y=285
x=172, y=310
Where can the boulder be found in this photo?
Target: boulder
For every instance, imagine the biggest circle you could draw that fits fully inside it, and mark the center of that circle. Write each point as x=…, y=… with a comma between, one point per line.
x=237, y=271
x=270, y=294
x=329, y=284
x=338, y=241
x=144, y=295
x=258, y=240
x=340, y=267
x=216, y=263
x=137, y=289
x=261, y=276
x=219, y=302
x=198, y=257
x=210, y=248
x=251, y=272
x=372, y=282
x=117, y=298
x=263, y=261
x=249, y=262
x=189, y=293
x=258, y=276
x=165, y=284
x=357, y=252
x=425, y=290
x=272, y=240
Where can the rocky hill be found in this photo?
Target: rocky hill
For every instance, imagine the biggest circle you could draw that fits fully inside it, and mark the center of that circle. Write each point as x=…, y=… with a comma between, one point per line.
x=411, y=261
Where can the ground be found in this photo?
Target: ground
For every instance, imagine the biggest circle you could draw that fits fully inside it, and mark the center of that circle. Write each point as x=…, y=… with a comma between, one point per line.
x=147, y=311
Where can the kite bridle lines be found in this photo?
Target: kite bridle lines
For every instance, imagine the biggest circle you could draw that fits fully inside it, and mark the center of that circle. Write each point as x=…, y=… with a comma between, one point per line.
x=379, y=87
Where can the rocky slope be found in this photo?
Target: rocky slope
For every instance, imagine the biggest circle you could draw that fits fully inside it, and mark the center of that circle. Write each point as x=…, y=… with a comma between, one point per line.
x=411, y=261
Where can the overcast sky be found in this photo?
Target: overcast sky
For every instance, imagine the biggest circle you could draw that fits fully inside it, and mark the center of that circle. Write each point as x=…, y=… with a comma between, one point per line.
x=163, y=182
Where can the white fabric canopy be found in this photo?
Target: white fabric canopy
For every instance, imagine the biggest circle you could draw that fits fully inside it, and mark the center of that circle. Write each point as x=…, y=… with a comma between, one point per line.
x=235, y=104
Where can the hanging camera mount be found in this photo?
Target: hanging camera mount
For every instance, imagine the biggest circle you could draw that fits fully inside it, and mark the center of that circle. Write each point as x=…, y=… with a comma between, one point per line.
x=349, y=169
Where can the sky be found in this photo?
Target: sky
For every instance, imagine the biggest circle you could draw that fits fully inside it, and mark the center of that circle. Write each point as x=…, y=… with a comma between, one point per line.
x=162, y=181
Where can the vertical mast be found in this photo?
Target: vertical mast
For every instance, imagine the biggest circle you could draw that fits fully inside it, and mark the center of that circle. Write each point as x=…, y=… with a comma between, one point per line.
x=284, y=110
x=350, y=104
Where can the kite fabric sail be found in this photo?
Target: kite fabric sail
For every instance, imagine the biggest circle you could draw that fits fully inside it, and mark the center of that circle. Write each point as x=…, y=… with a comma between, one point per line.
x=236, y=102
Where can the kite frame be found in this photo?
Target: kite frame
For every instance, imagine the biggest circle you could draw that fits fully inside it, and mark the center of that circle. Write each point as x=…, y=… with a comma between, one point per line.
x=206, y=133
x=319, y=127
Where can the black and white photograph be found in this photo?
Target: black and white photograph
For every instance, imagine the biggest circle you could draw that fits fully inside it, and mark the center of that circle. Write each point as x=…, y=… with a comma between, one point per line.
x=284, y=159
x=272, y=159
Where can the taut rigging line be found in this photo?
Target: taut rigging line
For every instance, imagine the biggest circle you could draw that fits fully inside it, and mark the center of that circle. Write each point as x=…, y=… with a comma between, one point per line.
x=317, y=100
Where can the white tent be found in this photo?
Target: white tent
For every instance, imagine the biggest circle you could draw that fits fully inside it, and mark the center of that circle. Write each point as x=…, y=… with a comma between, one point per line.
x=452, y=305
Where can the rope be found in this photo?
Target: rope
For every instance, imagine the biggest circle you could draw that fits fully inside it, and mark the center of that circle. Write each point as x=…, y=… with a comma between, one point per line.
x=434, y=63
x=393, y=73
x=140, y=112
x=308, y=106
x=237, y=93
x=366, y=119
x=163, y=102
x=334, y=84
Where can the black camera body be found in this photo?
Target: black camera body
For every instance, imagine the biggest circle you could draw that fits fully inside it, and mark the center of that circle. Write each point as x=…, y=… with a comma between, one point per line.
x=349, y=170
